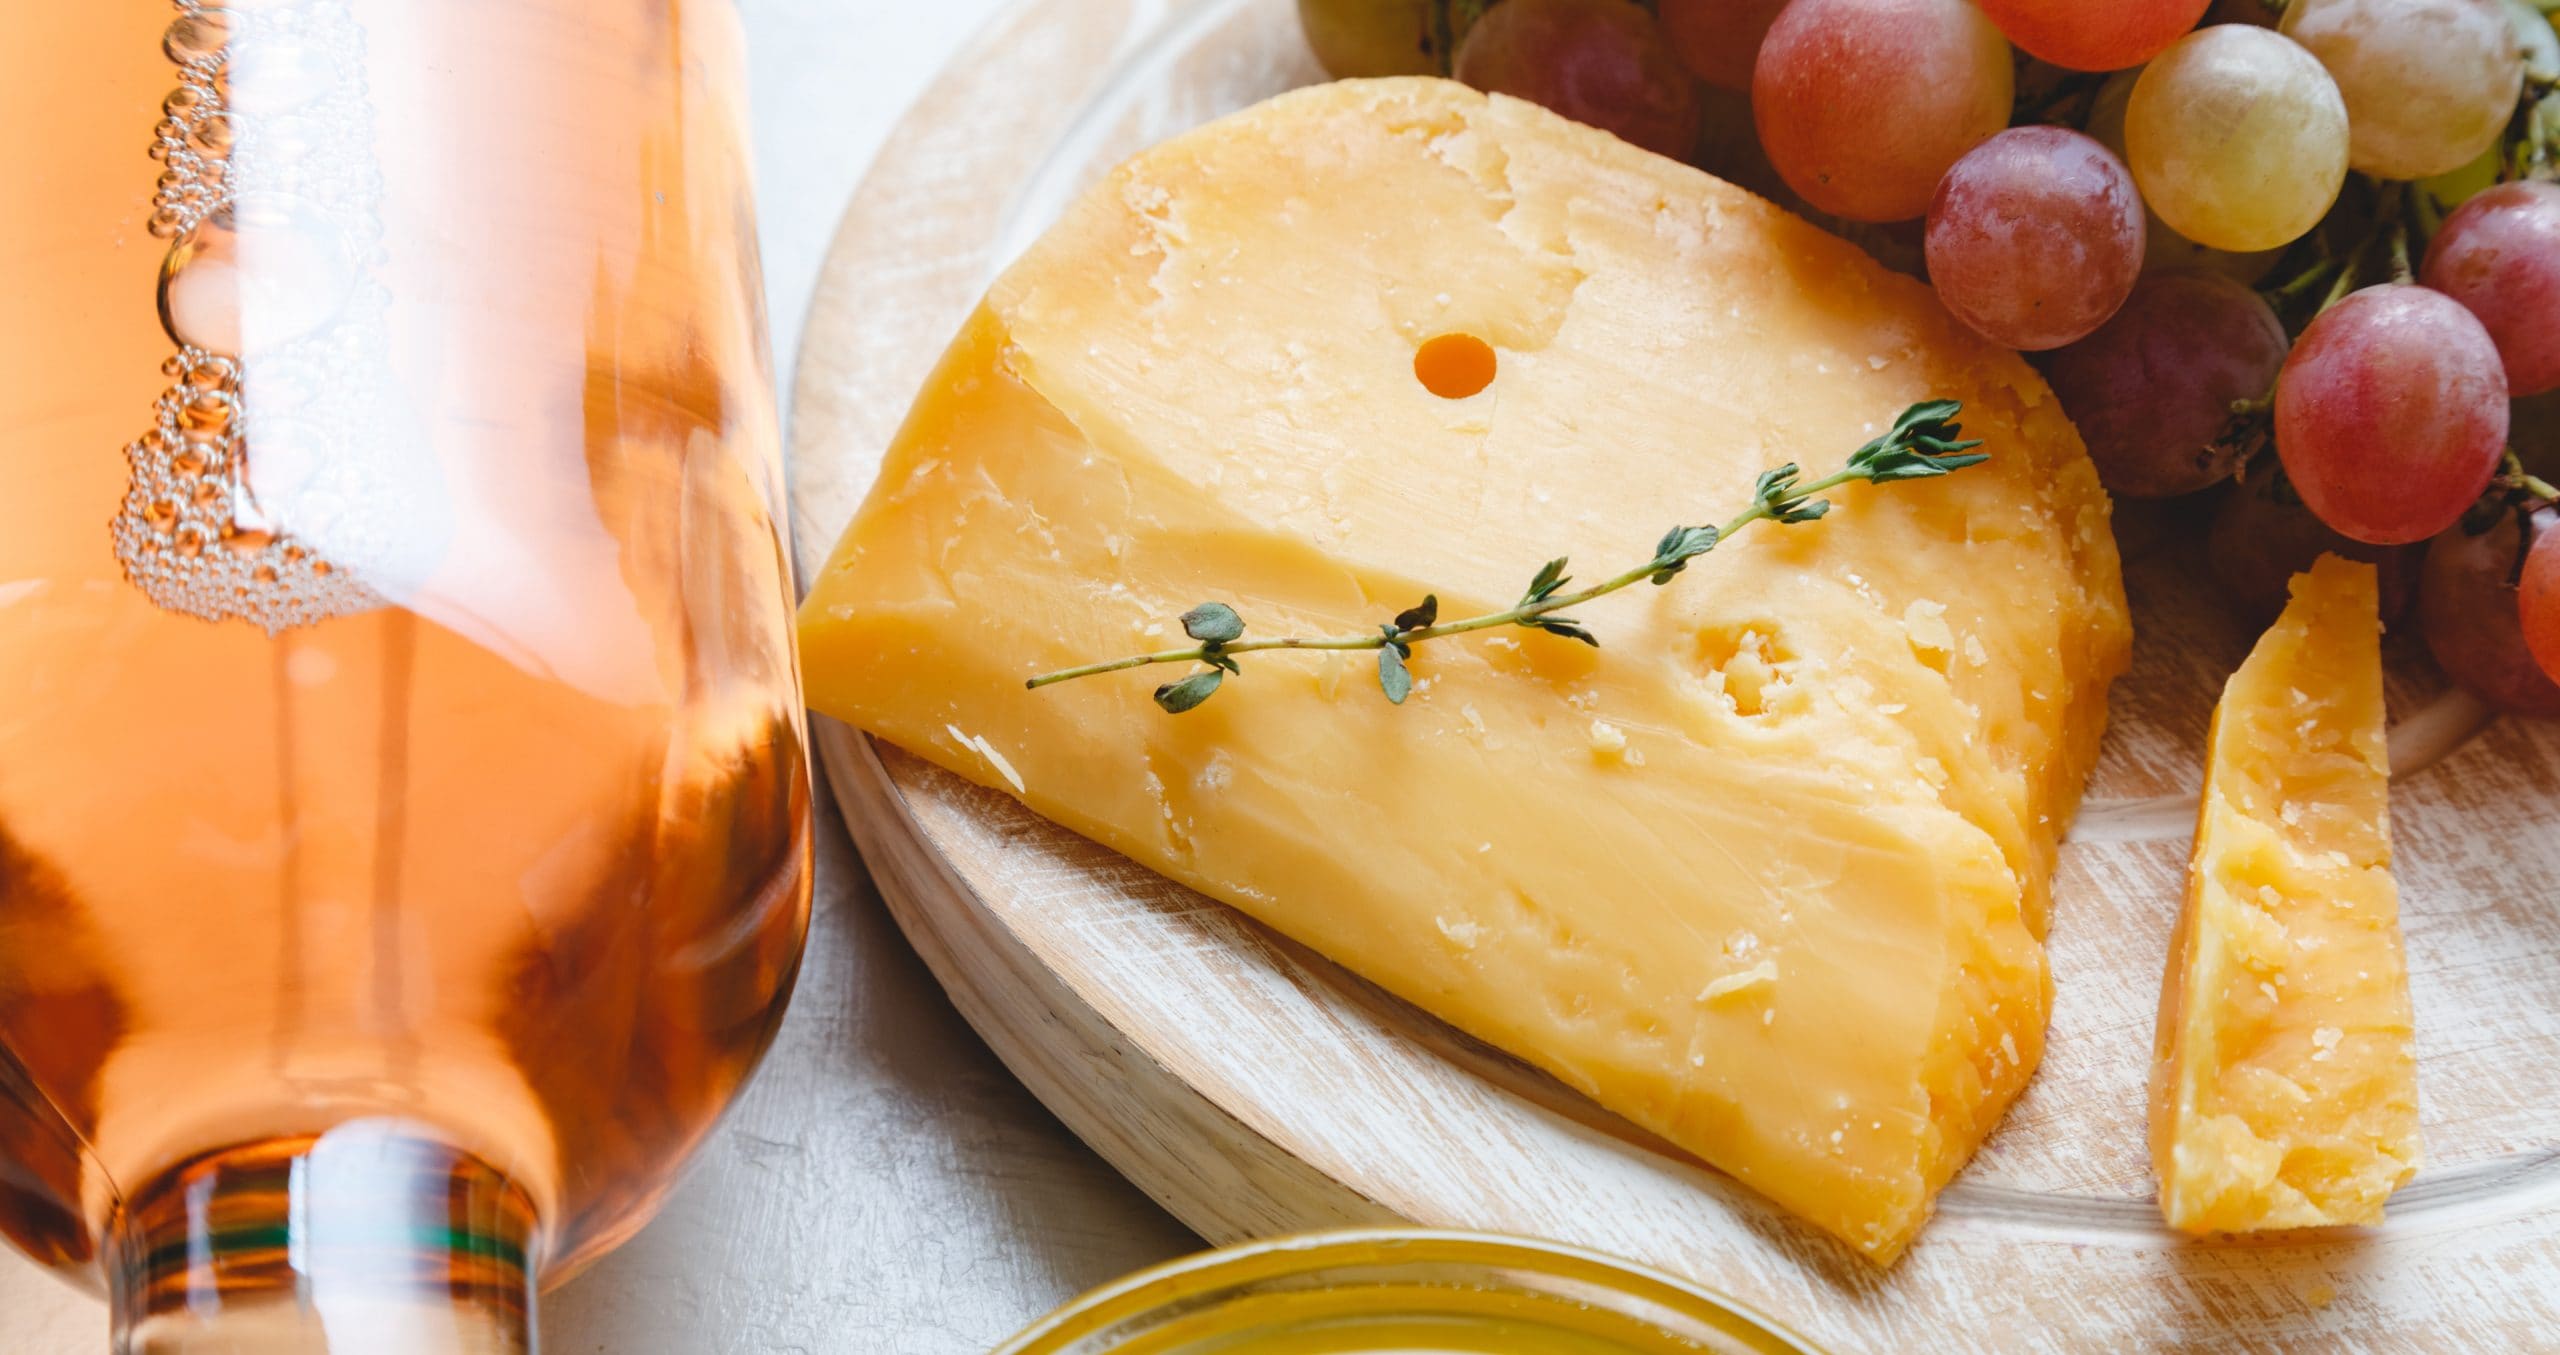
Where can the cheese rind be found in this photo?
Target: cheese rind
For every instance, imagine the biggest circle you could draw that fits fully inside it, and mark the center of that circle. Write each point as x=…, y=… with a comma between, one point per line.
x=1767, y=873
x=2284, y=1084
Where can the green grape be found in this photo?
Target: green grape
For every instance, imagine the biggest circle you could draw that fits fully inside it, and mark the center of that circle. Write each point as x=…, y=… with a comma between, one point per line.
x=2238, y=138
x=2163, y=249
x=1357, y=39
x=2442, y=193
x=2428, y=84
x=2534, y=34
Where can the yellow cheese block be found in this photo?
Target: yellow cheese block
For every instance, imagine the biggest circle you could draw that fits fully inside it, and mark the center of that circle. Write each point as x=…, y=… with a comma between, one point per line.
x=2284, y=1093
x=1767, y=873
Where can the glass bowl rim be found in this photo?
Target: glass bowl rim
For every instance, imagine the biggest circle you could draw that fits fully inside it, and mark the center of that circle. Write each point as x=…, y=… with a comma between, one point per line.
x=1144, y=1291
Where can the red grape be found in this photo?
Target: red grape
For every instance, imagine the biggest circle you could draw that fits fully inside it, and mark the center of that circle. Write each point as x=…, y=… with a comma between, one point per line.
x=2391, y=415
x=2035, y=237
x=1719, y=39
x=2152, y=390
x=2539, y=603
x=2262, y=536
x=2094, y=35
x=2474, y=619
x=1864, y=104
x=2499, y=255
x=1601, y=62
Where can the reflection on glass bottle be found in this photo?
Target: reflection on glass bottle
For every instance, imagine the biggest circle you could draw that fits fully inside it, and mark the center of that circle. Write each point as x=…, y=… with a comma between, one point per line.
x=403, y=812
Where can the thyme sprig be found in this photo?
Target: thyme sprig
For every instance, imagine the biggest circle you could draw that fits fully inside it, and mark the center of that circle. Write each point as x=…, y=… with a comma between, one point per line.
x=1925, y=442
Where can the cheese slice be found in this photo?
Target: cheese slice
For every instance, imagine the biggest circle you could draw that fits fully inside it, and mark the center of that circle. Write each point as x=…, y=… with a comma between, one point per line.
x=1767, y=872
x=2284, y=1090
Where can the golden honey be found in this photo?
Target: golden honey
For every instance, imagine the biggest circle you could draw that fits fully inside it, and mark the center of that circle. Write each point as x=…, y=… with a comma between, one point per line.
x=1403, y=1293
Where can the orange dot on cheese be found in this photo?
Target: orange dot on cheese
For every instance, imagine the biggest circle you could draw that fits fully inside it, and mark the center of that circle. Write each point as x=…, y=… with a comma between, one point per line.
x=1454, y=366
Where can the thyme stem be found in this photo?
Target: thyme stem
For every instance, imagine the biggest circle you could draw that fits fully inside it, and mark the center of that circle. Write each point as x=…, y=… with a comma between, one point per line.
x=1922, y=443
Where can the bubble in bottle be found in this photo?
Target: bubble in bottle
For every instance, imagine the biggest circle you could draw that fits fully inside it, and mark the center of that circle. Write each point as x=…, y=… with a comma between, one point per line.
x=197, y=36
x=212, y=297
x=209, y=411
x=200, y=287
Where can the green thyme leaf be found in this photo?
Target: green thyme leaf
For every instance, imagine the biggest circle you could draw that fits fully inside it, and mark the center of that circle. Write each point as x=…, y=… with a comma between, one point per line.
x=1926, y=441
x=1678, y=547
x=1177, y=697
x=1394, y=678
x=1565, y=626
x=1775, y=486
x=1213, y=623
x=1551, y=577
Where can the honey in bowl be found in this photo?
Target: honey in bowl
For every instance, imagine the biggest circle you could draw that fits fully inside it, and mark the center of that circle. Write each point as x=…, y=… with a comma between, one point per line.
x=1403, y=1293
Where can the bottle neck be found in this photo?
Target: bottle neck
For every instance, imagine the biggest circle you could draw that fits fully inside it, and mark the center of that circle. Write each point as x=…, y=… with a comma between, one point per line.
x=367, y=1238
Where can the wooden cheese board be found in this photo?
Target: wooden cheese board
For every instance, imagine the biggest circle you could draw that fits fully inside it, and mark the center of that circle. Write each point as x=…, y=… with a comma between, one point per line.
x=1253, y=1087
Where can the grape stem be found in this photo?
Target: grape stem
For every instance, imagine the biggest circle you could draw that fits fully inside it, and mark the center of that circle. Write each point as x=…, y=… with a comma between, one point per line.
x=2304, y=281
x=2536, y=154
x=2530, y=483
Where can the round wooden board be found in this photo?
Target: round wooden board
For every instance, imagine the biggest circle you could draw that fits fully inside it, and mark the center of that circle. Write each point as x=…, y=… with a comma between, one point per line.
x=1253, y=1087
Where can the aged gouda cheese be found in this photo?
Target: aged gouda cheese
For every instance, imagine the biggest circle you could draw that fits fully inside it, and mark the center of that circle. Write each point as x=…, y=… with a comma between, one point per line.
x=2284, y=1093
x=1765, y=874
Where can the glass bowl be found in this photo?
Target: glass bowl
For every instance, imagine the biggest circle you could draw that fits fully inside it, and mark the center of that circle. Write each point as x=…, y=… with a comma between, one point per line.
x=1397, y=1291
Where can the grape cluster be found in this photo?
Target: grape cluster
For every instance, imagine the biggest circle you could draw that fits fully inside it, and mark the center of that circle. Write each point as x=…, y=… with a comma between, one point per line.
x=2296, y=262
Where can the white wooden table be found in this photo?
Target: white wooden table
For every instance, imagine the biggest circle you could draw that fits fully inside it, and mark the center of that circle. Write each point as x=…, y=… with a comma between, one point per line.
x=885, y=1187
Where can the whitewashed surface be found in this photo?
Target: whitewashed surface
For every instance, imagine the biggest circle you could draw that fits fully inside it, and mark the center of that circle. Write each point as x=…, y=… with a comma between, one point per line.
x=886, y=1188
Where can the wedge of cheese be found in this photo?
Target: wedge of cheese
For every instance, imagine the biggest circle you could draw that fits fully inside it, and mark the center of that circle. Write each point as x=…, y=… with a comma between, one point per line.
x=1766, y=873
x=2284, y=1087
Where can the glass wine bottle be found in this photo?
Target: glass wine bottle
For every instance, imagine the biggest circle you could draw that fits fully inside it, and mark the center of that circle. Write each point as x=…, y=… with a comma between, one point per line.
x=404, y=819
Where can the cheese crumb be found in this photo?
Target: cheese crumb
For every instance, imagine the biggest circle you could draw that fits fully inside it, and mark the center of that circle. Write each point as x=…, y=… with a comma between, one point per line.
x=1607, y=739
x=1463, y=931
x=1217, y=773
x=1741, y=980
x=2325, y=1039
x=1926, y=623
